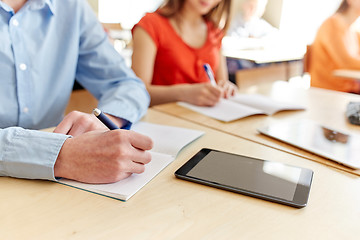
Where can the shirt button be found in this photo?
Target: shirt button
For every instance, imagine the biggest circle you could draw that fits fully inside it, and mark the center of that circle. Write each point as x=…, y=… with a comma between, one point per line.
x=25, y=110
x=15, y=22
x=23, y=66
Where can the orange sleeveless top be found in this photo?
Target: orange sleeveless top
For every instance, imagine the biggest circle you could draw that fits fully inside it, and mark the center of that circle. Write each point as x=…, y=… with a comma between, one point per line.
x=330, y=52
x=175, y=61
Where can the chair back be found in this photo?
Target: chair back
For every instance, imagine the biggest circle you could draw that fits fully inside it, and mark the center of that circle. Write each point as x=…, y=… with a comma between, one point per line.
x=306, y=60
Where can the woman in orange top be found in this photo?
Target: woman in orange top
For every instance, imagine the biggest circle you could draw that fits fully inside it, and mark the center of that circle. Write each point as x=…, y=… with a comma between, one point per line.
x=171, y=46
x=337, y=46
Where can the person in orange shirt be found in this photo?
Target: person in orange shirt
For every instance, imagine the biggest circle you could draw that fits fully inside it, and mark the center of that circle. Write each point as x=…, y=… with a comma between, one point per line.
x=337, y=46
x=171, y=45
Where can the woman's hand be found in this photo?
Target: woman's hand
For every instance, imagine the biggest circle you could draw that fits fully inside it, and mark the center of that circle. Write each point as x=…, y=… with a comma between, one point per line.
x=228, y=88
x=201, y=94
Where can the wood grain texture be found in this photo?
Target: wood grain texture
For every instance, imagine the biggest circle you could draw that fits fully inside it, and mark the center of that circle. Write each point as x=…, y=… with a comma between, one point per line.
x=323, y=106
x=169, y=208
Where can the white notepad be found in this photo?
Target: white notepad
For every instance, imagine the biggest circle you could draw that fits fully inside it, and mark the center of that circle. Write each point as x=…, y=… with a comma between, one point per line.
x=243, y=105
x=168, y=141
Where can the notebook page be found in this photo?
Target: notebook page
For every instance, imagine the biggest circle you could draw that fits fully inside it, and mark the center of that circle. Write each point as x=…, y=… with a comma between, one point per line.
x=225, y=110
x=266, y=104
x=167, y=139
x=127, y=187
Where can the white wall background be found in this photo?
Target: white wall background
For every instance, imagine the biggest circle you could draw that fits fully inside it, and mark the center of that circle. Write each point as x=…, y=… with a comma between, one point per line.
x=126, y=12
x=300, y=18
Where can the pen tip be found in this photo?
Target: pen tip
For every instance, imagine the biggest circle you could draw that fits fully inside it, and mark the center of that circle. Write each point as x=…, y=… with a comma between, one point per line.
x=206, y=66
x=96, y=112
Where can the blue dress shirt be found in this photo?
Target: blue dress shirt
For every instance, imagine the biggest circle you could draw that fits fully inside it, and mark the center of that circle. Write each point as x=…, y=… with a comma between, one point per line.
x=43, y=48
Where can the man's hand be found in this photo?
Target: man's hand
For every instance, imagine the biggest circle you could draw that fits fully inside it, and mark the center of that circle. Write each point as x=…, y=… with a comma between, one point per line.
x=97, y=155
x=103, y=156
x=77, y=123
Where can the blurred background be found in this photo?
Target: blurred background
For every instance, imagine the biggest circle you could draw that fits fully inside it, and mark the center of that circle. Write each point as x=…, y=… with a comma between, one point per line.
x=297, y=18
x=282, y=58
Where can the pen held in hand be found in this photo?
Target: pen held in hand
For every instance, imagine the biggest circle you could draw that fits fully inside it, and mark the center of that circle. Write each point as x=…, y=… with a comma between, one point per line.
x=104, y=119
x=209, y=73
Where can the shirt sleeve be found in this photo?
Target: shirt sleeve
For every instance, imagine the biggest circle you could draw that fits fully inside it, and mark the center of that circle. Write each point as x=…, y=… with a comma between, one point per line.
x=103, y=72
x=28, y=153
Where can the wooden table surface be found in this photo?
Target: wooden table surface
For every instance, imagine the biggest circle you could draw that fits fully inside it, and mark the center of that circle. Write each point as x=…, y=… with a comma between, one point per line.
x=323, y=106
x=169, y=208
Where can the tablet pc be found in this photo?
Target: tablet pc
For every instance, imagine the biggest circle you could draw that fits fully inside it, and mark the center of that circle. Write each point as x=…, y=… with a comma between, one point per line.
x=273, y=181
x=330, y=143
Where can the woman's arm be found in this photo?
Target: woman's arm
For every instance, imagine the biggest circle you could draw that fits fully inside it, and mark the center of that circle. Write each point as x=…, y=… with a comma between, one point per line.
x=143, y=60
x=221, y=77
x=144, y=53
x=222, y=72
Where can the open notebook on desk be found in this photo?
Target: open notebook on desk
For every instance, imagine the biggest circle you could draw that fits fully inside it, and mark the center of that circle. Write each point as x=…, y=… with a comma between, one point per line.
x=168, y=141
x=243, y=105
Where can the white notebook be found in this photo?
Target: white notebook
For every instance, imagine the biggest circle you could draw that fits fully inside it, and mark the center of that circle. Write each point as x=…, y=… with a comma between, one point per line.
x=243, y=105
x=168, y=141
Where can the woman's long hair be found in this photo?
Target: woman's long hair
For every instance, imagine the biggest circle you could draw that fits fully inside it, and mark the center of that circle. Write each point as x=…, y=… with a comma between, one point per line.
x=219, y=15
x=343, y=7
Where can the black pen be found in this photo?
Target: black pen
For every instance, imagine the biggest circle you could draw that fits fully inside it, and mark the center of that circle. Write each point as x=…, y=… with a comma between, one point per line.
x=104, y=119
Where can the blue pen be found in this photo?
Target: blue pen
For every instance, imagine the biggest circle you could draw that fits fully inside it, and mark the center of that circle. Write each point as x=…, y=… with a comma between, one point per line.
x=104, y=119
x=210, y=73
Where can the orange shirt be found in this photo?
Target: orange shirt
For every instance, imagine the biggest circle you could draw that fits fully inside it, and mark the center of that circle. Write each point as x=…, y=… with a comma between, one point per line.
x=335, y=47
x=175, y=61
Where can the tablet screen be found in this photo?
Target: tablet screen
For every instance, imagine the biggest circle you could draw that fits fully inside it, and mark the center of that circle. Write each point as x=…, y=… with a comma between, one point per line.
x=268, y=180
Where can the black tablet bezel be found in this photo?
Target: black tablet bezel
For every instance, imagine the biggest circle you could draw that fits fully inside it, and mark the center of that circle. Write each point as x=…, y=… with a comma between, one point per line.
x=301, y=194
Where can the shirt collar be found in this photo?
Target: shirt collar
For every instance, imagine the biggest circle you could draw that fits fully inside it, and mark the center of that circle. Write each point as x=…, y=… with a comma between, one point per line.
x=5, y=7
x=39, y=4
x=33, y=5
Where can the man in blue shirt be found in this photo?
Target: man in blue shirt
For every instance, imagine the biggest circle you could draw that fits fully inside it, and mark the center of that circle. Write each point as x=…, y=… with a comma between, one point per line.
x=44, y=46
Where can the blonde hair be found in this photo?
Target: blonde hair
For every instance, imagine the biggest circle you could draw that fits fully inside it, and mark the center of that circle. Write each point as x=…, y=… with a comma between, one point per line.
x=219, y=15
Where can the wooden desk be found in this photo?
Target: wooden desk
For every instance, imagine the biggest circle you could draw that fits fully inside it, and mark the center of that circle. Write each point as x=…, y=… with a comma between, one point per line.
x=260, y=56
x=169, y=208
x=323, y=106
x=262, y=51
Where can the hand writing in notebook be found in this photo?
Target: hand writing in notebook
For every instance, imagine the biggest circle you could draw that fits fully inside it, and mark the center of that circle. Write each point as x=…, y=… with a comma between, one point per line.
x=168, y=141
x=201, y=94
x=103, y=156
x=228, y=89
